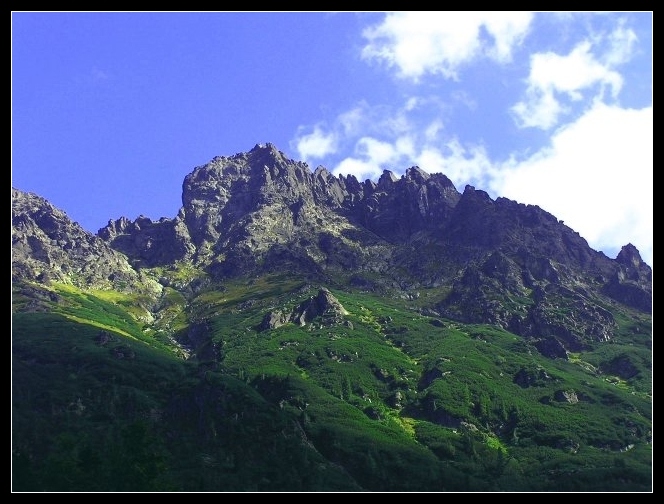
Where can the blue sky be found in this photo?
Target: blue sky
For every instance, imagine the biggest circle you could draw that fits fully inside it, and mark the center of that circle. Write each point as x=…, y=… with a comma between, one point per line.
x=110, y=111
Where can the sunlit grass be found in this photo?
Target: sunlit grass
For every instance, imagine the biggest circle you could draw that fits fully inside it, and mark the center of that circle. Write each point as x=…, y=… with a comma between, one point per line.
x=99, y=325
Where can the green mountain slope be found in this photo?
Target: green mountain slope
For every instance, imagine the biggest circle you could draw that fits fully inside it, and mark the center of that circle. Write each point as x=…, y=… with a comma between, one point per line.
x=376, y=396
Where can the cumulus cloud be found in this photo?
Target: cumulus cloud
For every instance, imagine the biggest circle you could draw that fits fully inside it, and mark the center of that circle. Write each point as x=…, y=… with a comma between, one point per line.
x=508, y=30
x=353, y=121
x=568, y=74
x=384, y=138
x=419, y=43
x=352, y=128
x=596, y=175
x=375, y=150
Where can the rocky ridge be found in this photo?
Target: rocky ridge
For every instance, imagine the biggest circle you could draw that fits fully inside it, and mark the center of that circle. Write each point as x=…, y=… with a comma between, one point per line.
x=502, y=262
x=48, y=247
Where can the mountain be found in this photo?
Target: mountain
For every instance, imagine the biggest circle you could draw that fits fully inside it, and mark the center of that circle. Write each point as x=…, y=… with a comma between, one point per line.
x=396, y=335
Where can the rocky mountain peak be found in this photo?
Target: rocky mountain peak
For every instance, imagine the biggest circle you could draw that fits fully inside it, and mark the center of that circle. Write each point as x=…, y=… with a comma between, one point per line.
x=629, y=256
x=416, y=174
x=268, y=155
x=386, y=180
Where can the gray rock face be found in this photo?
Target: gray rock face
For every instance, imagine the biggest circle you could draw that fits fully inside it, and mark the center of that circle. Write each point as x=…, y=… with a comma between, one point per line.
x=254, y=204
x=256, y=194
x=149, y=243
x=272, y=320
x=396, y=209
x=262, y=208
x=47, y=246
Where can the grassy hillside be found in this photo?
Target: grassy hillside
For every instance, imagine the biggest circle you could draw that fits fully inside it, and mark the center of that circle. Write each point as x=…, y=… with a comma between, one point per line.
x=384, y=399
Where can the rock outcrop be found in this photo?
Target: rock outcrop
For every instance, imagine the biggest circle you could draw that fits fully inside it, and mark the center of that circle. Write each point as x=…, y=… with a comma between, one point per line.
x=323, y=307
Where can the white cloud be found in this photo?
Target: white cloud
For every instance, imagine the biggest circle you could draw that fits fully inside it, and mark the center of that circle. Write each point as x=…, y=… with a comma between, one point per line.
x=412, y=103
x=397, y=139
x=353, y=120
x=466, y=164
x=568, y=74
x=374, y=150
x=379, y=137
x=314, y=145
x=552, y=75
x=405, y=145
x=508, y=29
x=541, y=110
x=432, y=131
x=621, y=46
x=372, y=156
x=597, y=176
x=462, y=165
x=361, y=169
x=595, y=172
x=364, y=118
x=431, y=160
x=419, y=43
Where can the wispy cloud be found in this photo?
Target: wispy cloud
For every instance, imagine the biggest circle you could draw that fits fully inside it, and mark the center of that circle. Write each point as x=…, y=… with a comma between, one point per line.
x=589, y=67
x=371, y=156
x=377, y=137
x=621, y=44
